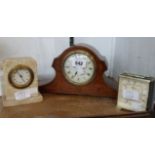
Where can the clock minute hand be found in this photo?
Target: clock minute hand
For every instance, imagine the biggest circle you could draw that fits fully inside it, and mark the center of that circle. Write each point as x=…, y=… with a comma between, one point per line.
x=21, y=77
x=75, y=73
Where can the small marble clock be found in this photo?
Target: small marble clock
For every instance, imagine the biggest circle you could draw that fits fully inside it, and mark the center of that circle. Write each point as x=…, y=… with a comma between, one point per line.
x=20, y=81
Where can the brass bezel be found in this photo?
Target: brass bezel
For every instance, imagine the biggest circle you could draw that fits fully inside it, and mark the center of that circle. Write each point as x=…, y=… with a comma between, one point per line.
x=14, y=70
x=84, y=53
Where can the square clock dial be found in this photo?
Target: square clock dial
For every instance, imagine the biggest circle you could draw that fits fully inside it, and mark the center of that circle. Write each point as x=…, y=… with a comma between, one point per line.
x=135, y=92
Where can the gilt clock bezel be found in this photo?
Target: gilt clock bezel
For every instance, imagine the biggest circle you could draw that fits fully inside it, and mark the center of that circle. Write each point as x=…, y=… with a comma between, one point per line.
x=79, y=51
x=24, y=85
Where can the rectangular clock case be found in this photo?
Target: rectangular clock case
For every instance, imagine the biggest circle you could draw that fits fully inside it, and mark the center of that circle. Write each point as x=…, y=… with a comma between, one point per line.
x=136, y=93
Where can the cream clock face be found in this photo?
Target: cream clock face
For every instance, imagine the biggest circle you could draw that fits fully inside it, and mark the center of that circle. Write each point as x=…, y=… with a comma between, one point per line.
x=133, y=94
x=79, y=68
x=21, y=77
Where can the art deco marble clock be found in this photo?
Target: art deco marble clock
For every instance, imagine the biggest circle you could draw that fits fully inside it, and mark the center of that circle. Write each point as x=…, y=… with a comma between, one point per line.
x=79, y=70
x=20, y=81
x=136, y=93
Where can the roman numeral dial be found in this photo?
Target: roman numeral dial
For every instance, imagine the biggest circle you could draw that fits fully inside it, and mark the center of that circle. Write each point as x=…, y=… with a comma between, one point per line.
x=79, y=68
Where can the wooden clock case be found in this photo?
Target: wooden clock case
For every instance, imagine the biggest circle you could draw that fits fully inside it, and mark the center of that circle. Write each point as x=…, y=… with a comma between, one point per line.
x=97, y=87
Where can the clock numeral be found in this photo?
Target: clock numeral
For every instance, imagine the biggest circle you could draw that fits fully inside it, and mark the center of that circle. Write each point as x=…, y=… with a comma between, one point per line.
x=80, y=63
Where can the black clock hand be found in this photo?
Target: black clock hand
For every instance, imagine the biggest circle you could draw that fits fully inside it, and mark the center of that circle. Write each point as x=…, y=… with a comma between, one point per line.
x=21, y=77
x=75, y=74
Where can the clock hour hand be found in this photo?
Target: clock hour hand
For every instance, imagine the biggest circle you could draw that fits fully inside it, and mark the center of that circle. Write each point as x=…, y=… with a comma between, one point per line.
x=75, y=74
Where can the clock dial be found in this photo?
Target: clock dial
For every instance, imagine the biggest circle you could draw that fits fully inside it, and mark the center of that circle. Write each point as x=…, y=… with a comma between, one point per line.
x=133, y=94
x=79, y=68
x=21, y=77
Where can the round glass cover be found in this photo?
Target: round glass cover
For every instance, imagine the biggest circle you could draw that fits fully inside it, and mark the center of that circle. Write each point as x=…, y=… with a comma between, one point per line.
x=21, y=76
x=79, y=68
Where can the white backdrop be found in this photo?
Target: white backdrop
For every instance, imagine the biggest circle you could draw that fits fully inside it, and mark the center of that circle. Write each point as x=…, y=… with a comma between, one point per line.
x=44, y=50
x=135, y=55
x=104, y=45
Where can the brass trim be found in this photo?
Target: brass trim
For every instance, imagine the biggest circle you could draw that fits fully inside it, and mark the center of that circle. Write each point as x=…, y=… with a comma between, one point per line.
x=84, y=53
x=17, y=68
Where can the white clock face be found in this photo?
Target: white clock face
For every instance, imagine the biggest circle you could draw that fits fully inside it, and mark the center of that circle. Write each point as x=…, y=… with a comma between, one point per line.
x=79, y=68
x=21, y=77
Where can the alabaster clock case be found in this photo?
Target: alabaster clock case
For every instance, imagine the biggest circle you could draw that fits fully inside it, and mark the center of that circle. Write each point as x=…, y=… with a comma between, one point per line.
x=20, y=81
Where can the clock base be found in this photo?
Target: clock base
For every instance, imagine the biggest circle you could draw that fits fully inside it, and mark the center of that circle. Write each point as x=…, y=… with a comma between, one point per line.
x=102, y=89
x=13, y=102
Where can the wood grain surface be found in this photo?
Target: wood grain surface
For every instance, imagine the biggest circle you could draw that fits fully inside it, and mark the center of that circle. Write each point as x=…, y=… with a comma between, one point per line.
x=64, y=106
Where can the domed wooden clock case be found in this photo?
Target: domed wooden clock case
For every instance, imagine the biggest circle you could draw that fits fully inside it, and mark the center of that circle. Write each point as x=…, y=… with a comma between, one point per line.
x=79, y=70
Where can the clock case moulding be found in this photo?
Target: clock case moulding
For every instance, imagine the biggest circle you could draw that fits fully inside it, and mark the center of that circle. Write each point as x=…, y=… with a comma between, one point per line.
x=96, y=87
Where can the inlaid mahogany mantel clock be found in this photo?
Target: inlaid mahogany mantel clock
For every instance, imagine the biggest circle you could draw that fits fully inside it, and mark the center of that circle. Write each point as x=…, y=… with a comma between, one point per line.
x=79, y=70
